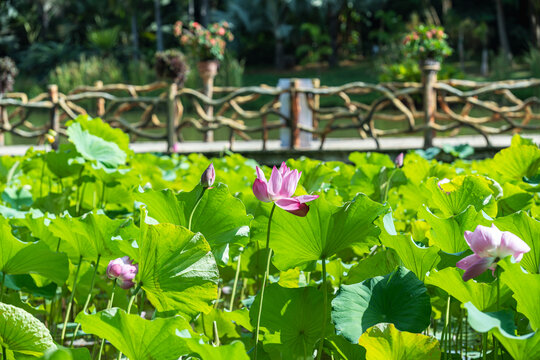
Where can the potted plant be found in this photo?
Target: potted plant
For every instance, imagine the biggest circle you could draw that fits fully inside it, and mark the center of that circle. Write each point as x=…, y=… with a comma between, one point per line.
x=427, y=44
x=171, y=65
x=207, y=44
x=8, y=72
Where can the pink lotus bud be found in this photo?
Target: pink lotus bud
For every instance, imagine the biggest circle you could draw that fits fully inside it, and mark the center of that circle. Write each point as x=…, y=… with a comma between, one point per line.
x=208, y=176
x=399, y=160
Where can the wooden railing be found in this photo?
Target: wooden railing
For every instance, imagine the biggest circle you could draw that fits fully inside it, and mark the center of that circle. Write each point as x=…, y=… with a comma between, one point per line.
x=370, y=110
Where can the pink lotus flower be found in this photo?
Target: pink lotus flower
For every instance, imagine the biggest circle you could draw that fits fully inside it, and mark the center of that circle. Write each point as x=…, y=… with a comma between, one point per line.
x=399, y=160
x=123, y=270
x=280, y=189
x=489, y=246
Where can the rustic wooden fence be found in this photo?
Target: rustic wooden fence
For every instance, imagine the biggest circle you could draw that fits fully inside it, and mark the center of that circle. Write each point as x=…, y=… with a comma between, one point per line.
x=361, y=109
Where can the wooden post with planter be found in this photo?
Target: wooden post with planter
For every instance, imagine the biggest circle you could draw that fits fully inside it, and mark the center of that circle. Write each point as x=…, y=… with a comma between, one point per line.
x=54, y=116
x=316, y=104
x=171, y=117
x=208, y=71
x=430, y=68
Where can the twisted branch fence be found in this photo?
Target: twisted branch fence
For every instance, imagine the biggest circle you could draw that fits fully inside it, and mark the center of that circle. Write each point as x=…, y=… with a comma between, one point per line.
x=368, y=110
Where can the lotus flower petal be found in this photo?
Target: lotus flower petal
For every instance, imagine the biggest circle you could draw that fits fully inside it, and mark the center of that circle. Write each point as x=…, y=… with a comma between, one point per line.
x=260, y=190
x=512, y=245
x=484, y=240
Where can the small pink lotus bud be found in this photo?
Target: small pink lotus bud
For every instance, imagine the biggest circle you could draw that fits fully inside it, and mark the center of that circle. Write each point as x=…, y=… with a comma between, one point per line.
x=208, y=176
x=123, y=269
x=399, y=160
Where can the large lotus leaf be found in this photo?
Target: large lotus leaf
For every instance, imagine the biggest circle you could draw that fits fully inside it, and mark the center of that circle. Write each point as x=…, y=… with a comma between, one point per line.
x=518, y=160
x=316, y=175
x=449, y=233
x=417, y=169
x=482, y=295
x=514, y=199
x=418, y=259
x=455, y=197
x=362, y=158
x=398, y=298
x=20, y=332
x=63, y=353
x=220, y=217
x=17, y=257
x=384, y=341
x=94, y=148
x=228, y=323
x=101, y=129
x=501, y=323
x=26, y=283
x=19, y=198
x=528, y=229
x=235, y=350
x=526, y=288
x=291, y=318
x=38, y=226
x=61, y=163
x=343, y=349
x=323, y=232
x=382, y=263
x=176, y=269
x=137, y=338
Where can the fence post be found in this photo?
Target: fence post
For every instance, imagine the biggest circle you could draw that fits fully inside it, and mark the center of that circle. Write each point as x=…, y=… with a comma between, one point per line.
x=171, y=118
x=295, y=115
x=100, y=101
x=316, y=104
x=54, y=117
x=430, y=68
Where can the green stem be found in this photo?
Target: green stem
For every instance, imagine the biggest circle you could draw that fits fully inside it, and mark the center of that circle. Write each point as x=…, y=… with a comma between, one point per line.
x=109, y=305
x=264, y=279
x=236, y=276
x=484, y=346
x=4, y=353
x=2, y=288
x=387, y=187
x=88, y=298
x=141, y=306
x=325, y=305
x=70, y=304
x=102, y=201
x=41, y=178
x=129, y=309
x=77, y=197
x=195, y=207
x=446, y=328
x=498, y=280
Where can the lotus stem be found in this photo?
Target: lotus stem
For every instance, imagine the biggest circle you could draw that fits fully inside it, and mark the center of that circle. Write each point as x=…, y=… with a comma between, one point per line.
x=325, y=305
x=2, y=288
x=236, y=276
x=484, y=346
x=109, y=305
x=77, y=198
x=498, y=280
x=4, y=353
x=387, y=187
x=216, y=341
x=195, y=207
x=41, y=178
x=70, y=303
x=264, y=279
x=130, y=304
x=88, y=298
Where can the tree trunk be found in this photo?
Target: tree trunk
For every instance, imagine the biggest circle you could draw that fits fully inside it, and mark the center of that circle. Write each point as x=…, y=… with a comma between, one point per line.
x=461, y=50
x=159, y=30
x=534, y=11
x=44, y=19
x=484, y=67
x=503, y=37
x=201, y=12
x=333, y=29
x=278, y=53
x=134, y=36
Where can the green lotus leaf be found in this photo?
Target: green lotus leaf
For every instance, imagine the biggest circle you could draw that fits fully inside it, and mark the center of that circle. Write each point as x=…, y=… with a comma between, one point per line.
x=229, y=324
x=501, y=324
x=449, y=233
x=343, y=349
x=94, y=148
x=418, y=259
x=382, y=263
x=176, y=269
x=482, y=295
x=455, y=197
x=323, y=232
x=398, y=298
x=316, y=175
x=384, y=341
x=526, y=288
x=514, y=199
x=520, y=160
x=220, y=217
x=235, y=350
x=63, y=353
x=101, y=129
x=62, y=162
x=528, y=229
x=137, y=338
x=292, y=320
x=17, y=257
x=22, y=333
